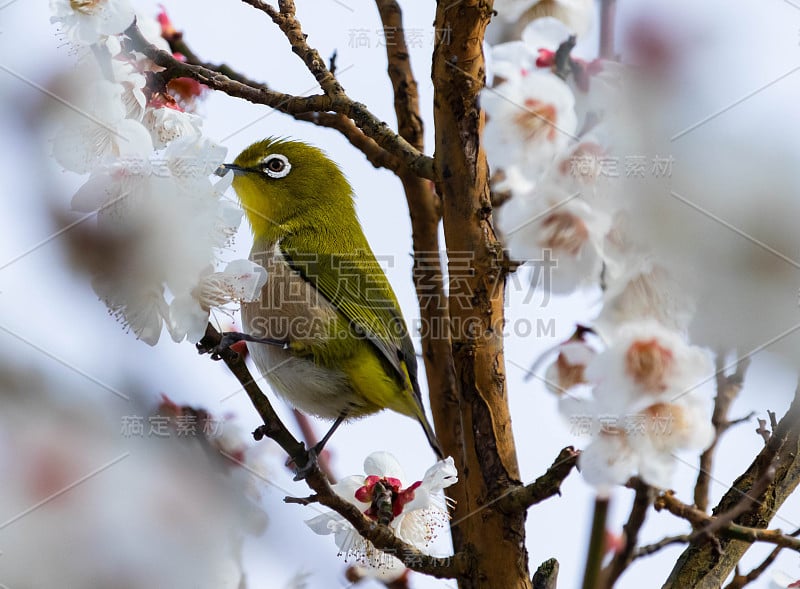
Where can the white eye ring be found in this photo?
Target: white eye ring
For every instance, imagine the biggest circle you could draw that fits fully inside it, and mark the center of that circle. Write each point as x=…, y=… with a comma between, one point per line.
x=276, y=165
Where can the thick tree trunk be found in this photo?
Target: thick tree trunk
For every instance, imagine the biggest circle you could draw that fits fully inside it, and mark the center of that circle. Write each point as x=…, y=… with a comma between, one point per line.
x=476, y=428
x=423, y=207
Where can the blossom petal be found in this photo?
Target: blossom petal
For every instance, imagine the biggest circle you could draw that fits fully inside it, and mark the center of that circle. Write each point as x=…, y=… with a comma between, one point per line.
x=439, y=476
x=383, y=464
x=347, y=488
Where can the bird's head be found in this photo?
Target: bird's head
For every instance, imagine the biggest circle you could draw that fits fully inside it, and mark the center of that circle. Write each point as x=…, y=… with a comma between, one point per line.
x=280, y=181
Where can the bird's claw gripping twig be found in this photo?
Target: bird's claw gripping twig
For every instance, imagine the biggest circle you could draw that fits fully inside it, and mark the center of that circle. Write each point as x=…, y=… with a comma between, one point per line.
x=229, y=338
x=311, y=464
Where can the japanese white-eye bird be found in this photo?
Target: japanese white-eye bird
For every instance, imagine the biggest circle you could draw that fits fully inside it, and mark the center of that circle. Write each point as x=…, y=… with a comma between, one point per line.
x=340, y=347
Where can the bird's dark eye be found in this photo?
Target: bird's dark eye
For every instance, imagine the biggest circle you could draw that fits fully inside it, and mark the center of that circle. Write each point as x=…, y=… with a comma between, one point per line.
x=276, y=165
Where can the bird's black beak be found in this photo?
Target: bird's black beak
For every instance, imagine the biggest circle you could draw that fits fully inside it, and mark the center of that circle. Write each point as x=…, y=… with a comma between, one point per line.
x=237, y=170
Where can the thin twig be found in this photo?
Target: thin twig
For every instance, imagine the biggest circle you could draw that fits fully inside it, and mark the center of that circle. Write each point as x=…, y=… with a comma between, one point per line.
x=368, y=123
x=302, y=500
x=381, y=536
x=740, y=580
x=375, y=154
x=641, y=503
x=542, y=488
x=744, y=504
x=649, y=549
x=404, y=85
x=728, y=388
x=287, y=22
x=706, y=524
x=597, y=544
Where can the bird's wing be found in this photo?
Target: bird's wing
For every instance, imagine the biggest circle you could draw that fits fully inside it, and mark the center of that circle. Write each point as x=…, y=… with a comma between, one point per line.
x=357, y=287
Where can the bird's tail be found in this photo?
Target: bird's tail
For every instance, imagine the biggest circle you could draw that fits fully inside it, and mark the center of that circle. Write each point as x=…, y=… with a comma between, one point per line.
x=431, y=435
x=423, y=419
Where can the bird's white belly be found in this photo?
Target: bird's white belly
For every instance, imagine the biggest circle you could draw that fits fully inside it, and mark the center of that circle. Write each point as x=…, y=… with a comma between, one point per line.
x=313, y=389
x=291, y=310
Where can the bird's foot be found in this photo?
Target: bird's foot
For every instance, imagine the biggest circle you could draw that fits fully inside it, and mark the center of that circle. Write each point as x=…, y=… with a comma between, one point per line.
x=311, y=464
x=230, y=338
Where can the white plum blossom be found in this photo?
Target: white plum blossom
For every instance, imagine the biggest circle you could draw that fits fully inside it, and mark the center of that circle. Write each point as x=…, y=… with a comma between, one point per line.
x=133, y=83
x=168, y=124
x=512, y=180
x=241, y=281
x=645, y=290
x=545, y=35
x=151, y=30
x=578, y=14
x=550, y=143
x=229, y=217
x=643, y=443
x=595, y=83
x=643, y=405
x=529, y=120
x=534, y=51
x=417, y=510
x=569, y=368
x=173, y=222
x=87, y=21
x=98, y=130
x=558, y=231
x=140, y=307
x=161, y=220
x=509, y=62
x=580, y=168
x=647, y=362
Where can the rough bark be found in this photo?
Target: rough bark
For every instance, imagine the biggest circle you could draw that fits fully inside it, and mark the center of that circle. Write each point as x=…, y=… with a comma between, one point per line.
x=425, y=212
x=705, y=564
x=485, y=455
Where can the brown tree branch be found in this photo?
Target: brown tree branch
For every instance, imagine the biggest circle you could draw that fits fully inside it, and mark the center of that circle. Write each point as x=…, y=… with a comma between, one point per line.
x=597, y=544
x=649, y=549
x=703, y=565
x=641, y=503
x=287, y=22
x=721, y=525
x=477, y=422
x=740, y=581
x=546, y=576
x=375, y=154
x=406, y=96
x=381, y=536
x=728, y=388
x=425, y=211
x=742, y=506
x=370, y=125
x=549, y=484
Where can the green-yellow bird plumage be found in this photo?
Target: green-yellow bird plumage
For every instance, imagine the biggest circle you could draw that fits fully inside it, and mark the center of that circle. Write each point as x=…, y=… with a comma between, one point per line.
x=348, y=349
